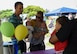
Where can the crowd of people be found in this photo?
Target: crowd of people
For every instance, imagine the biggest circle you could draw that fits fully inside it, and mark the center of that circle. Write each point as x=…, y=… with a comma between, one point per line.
x=63, y=37
x=37, y=30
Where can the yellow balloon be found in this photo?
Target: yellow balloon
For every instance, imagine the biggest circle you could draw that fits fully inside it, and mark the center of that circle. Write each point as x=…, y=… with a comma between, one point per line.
x=21, y=32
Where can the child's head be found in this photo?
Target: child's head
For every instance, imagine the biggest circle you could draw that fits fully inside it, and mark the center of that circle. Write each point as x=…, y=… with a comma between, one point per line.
x=60, y=22
x=28, y=23
x=43, y=24
x=43, y=28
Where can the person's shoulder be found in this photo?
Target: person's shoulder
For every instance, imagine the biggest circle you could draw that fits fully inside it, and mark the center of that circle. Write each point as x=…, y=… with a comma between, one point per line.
x=12, y=16
x=74, y=21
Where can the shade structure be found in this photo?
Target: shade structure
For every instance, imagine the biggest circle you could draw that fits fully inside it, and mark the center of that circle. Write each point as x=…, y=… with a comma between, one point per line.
x=62, y=10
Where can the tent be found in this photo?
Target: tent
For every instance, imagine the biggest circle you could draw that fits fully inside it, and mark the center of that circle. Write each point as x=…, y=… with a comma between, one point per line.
x=63, y=10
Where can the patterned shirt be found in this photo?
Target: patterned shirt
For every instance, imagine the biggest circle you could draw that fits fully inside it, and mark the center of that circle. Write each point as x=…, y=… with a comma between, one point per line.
x=14, y=19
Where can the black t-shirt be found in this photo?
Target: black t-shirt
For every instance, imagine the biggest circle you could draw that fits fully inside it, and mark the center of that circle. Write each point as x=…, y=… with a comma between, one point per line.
x=69, y=32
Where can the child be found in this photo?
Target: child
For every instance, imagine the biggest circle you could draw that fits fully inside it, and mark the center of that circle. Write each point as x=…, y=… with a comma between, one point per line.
x=30, y=28
x=59, y=46
x=43, y=28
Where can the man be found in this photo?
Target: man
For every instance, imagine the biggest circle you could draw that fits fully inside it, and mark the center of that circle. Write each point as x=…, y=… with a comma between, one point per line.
x=16, y=20
x=67, y=32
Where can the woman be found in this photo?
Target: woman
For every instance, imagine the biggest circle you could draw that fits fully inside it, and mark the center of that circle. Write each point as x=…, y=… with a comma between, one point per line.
x=37, y=41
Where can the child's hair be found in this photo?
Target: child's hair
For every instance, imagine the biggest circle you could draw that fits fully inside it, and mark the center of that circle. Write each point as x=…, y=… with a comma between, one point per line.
x=62, y=20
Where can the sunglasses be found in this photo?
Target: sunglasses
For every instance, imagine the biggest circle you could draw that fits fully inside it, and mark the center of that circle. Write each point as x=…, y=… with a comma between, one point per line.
x=38, y=17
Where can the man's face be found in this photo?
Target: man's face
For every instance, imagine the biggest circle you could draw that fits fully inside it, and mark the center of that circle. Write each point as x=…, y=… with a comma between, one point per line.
x=19, y=9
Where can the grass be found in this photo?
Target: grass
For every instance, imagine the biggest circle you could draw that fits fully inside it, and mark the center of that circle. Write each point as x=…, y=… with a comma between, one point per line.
x=49, y=44
x=6, y=39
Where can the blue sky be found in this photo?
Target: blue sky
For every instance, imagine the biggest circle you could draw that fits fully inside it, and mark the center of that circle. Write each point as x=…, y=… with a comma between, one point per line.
x=46, y=4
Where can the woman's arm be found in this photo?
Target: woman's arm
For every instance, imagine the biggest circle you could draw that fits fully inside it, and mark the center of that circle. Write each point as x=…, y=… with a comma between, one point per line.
x=53, y=39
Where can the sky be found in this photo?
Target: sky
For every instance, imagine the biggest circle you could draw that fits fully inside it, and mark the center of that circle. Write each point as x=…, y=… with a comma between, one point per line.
x=46, y=4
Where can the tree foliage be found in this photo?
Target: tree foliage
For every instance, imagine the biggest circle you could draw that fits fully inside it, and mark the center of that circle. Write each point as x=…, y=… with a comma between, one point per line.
x=5, y=13
x=31, y=10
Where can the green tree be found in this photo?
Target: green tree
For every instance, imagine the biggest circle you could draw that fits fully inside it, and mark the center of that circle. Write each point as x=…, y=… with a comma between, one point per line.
x=31, y=10
x=5, y=13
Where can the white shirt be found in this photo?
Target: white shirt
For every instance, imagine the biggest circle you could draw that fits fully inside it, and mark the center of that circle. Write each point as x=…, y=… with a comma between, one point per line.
x=30, y=32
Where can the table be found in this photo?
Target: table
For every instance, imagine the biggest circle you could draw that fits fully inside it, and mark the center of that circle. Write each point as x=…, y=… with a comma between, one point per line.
x=7, y=43
x=50, y=51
